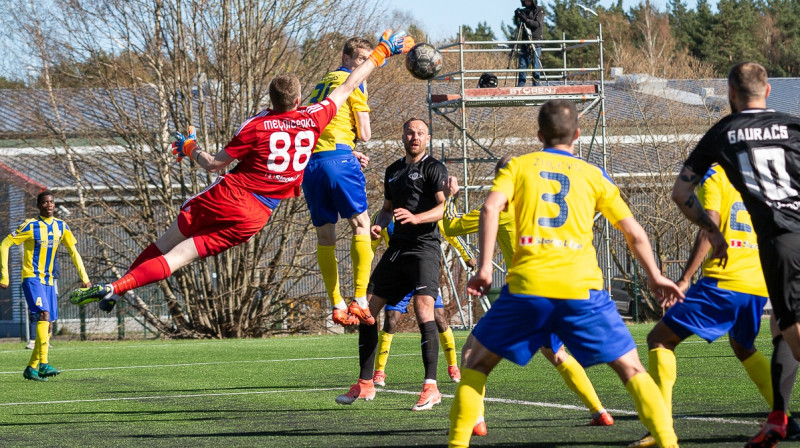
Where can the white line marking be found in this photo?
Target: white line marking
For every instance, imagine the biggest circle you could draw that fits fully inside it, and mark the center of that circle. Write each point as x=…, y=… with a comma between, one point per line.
x=393, y=391
x=211, y=363
x=171, y=344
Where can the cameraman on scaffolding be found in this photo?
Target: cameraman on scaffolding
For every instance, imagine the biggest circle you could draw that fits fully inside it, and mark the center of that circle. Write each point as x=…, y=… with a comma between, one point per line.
x=529, y=21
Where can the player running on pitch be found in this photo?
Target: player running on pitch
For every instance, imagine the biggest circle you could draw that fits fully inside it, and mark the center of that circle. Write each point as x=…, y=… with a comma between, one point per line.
x=273, y=149
x=555, y=285
x=334, y=186
x=727, y=299
x=414, y=197
x=392, y=313
x=574, y=375
x=759, y=149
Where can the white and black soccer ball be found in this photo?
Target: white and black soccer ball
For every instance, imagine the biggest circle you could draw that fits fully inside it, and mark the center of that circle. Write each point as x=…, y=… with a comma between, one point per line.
x=424, y=61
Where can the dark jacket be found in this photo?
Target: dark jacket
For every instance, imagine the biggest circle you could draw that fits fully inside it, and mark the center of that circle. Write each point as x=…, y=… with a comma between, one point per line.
x=533, y=19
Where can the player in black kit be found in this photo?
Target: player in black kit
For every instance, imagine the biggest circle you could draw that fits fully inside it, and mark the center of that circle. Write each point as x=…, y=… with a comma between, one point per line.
x=759, y=149
x=414, y=196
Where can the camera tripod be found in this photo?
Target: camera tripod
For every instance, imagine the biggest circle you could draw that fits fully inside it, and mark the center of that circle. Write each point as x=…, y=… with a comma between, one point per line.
x=520, y=47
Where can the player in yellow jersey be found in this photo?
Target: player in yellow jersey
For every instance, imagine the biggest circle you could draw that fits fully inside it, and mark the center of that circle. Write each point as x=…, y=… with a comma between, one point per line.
x=334, y=186
x=41, y=237
x=555, y=285
x=727, y=299
x=457, y=224
x=392, y=314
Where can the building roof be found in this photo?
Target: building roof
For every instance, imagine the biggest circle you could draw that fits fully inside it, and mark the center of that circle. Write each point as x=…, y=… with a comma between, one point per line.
x=629, y=99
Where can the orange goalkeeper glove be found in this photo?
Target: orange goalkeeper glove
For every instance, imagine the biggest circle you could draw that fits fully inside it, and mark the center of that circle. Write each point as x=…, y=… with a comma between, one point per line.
x=390, y=45
x=184, y=146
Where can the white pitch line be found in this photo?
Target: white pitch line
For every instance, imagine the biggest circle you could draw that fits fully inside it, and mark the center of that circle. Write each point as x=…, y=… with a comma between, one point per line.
x=210, y=363
x=393, y=391
x=171, y=344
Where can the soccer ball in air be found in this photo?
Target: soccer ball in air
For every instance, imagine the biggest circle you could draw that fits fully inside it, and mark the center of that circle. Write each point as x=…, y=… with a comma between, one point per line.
x=424, y=61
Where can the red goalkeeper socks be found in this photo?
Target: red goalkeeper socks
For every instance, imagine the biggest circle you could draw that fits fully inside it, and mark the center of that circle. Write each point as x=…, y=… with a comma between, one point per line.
x=146, y=273
x=150, y=252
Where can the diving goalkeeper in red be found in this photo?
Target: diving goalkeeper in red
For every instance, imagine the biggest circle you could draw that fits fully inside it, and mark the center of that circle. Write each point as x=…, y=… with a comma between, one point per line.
x=273, y=148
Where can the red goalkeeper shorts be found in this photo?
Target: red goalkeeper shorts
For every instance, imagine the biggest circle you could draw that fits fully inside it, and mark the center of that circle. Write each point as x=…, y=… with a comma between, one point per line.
x=223, y=216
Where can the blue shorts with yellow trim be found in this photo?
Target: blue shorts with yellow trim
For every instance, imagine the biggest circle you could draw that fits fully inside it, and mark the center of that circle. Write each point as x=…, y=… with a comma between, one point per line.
x=402, y=306
x=517, y=325
x=334, y=186
x=40, y=298
x=710, y=311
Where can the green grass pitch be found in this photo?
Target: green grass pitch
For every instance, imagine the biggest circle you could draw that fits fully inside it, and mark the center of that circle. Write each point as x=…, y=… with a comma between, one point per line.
x=280, y=392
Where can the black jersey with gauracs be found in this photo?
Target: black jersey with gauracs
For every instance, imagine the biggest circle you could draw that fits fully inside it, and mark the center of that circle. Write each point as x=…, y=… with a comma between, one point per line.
x=414, y=187
x=759, y=149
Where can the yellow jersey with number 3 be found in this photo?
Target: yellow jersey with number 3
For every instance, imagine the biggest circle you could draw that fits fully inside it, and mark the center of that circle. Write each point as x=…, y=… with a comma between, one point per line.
x=555, y=196
x=341, y=131
x=743, y=271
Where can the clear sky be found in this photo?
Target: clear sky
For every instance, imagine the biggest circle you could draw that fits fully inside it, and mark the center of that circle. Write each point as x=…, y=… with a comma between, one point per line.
x=441, y=18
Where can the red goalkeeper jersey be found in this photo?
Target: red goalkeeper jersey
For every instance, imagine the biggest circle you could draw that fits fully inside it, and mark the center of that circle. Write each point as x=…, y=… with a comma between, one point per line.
x=273, y=148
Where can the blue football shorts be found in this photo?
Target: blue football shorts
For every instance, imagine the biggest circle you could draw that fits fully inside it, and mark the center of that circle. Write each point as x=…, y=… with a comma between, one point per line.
x=40, y=298
x=710, y=311
x=554, y=343
x=402, y=306
x=334, y=186
x=517, y=325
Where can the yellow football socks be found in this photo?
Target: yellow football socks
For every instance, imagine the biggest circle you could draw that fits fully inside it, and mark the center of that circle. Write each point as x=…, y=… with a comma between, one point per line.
x=652, y=412
x=466, y=407
x=43, y=333
x=361, y=253
x=448, y=343
x=758, y=369
x=41, y=347
x=384, y=344
x=575, y=377
x=329, y=268
x=664, y=370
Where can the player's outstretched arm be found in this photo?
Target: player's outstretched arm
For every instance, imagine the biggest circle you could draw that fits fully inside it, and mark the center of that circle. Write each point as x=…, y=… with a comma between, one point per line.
x=697, y=254
x=480, y=283
x=683, y=195
x=4, y=246
x=389, y=45
x=453, y=222
x=382, y=220
x=665, y=289
x=186, y=146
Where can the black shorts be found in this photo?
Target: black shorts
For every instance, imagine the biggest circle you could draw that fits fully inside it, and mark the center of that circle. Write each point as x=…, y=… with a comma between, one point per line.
x=402, y=270
x=780, y=260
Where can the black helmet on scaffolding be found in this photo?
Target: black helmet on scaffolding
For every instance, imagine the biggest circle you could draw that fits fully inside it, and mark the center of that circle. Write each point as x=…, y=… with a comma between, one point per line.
x=487, y=80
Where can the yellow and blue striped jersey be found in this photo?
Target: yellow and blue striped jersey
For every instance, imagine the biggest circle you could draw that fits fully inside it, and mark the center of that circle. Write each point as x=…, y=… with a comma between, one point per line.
x=341, y=131
x=41, y=237
x=457, y=224
x=743, y=271
x=554, y=196
x=459, y=244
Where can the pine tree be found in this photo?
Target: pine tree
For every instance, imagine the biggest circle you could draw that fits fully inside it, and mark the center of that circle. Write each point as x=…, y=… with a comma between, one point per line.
x=482, y=32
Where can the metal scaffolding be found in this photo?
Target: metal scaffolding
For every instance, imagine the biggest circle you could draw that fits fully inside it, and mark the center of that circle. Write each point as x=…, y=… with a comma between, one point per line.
x=584, y=85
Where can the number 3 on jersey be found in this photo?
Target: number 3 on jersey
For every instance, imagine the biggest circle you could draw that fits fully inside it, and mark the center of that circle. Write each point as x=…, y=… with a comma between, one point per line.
x=558, y=199
x=279, y=145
